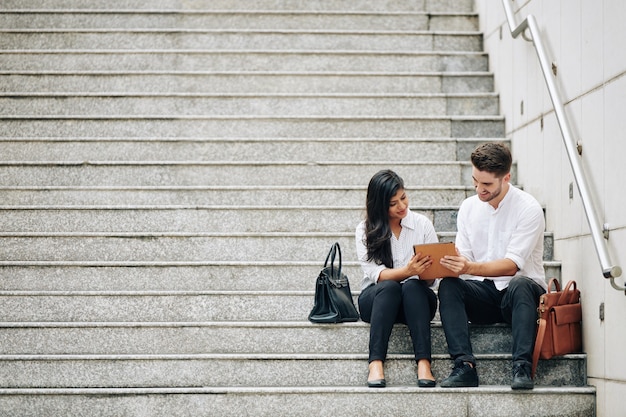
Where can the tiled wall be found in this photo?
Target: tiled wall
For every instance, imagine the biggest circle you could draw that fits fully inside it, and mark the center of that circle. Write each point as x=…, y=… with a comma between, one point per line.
x=583, y=38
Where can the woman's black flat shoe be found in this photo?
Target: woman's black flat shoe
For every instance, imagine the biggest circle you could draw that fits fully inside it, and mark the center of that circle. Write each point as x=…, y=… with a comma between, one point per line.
x=377, y=383
x=426, y=383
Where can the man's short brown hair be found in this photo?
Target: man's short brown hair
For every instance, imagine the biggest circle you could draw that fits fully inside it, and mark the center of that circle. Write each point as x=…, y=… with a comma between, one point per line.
x=493, y=157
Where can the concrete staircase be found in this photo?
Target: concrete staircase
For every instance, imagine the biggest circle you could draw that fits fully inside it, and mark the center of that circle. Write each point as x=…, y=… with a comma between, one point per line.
x=173, y=174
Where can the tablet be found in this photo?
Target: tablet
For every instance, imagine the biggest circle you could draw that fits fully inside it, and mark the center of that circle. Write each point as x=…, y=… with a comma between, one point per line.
x=436, y=252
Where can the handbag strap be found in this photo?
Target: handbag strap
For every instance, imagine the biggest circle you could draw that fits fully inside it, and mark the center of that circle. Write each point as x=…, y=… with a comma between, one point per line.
x=541, y=331
x=334, y=249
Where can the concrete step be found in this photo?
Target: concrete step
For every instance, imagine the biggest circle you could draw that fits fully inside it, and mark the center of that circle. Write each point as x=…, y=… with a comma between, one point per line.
x=225, y=61
x=242, y=20
x=245, y=82
x=177, y=276
x=198, y=219
x=220, y=283
x=163, y=173
x=254, y=370
x=252, y=126
x=431, y=6
x=190, y=104
x=140, y=338
x=185, y=247
x=236, y=149
x=166, y=276
x=226, y=173
x=155, y=306
x=486, y=401
x=224, y=195
x=244, y=40
x=173, y=247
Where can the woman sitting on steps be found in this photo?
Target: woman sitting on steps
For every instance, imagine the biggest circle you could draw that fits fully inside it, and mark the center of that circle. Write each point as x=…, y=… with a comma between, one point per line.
x=391, y=291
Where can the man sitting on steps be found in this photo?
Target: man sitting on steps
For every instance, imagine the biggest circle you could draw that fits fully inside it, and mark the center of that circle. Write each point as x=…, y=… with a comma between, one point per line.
x=500, y=247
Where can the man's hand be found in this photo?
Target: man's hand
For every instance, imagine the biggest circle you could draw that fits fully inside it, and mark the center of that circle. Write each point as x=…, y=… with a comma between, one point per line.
x=457, y=264
x=462, y=265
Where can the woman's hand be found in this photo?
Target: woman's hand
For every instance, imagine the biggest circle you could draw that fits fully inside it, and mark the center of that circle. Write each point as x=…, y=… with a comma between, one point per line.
x=418, y=264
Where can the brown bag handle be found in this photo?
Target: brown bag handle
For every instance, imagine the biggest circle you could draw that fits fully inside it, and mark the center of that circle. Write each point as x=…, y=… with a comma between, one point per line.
x=568, y=293
x=554, y=282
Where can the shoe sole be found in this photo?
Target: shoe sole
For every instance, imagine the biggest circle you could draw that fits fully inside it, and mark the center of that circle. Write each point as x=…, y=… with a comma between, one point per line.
x=446, y=383
x=426, y=383
x=458, y=385
x=377, y=383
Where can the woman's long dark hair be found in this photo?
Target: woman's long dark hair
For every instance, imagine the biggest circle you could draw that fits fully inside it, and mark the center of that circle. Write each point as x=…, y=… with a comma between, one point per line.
x=382, y=187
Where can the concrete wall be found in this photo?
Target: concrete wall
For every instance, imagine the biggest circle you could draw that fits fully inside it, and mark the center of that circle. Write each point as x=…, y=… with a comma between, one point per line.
x=584, y=38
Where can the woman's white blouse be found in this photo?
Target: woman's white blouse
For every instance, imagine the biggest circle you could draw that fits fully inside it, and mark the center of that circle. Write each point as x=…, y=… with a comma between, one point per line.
x=416, y=229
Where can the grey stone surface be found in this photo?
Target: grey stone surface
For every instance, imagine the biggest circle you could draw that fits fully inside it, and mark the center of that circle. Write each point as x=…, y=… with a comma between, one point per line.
x=203, y=150
x=252, y=19
x=195, y=219
x=310, y=61
x=465, y=6
x=225, y=195
x=181, y=247
x=186, y=105
x=175, y=275
x=302, y=401
x=257, y=337
x=243, y=40
x=244, y=82
x=249, y=370
x=302, y=126
x=182, y=173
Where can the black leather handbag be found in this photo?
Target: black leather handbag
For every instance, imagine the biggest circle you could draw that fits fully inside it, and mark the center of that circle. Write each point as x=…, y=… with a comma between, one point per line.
x=333, y=299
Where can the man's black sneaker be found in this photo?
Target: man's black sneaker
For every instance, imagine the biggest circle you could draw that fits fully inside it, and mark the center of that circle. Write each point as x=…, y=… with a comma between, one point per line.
x=463, y=375
x=521, y=376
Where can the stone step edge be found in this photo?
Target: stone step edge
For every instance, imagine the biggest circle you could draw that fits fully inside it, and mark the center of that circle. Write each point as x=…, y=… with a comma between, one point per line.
x=96, y=73
x=105, y=139
x=220, y=187
x=334, y=52
x=259, y=357
x=165, y=95
x=150, y=264
x=202, y=207
x=333, y=118
x=158, y=293
x=209, y=139
x=147, y=163
x=214, y=324
x=283, y=12
x=482, y=389
x=199, y=234
x=39, y=31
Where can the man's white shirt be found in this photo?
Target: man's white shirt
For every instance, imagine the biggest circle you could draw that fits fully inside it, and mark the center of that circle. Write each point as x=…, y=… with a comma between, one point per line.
x=515, y=230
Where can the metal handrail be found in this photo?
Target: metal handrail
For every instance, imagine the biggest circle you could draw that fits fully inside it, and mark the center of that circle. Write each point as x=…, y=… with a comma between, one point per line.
x=530, y=24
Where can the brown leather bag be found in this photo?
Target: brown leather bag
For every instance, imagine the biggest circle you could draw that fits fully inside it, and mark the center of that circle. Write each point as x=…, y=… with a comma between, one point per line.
x=560, y=317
